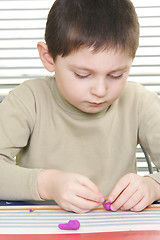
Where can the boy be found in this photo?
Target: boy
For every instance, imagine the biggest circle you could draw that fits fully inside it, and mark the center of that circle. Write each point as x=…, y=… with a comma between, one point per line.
x=74, y=135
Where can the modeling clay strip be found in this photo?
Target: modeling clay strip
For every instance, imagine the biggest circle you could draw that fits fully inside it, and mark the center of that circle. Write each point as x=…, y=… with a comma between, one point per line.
x=71, y=225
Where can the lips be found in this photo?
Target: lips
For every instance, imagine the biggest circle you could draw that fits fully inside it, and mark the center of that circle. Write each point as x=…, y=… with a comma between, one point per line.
x=96, y=104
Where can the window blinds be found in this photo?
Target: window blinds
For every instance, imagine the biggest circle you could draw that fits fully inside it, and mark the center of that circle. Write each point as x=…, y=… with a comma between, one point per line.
x=22, y=25
x=146, y=66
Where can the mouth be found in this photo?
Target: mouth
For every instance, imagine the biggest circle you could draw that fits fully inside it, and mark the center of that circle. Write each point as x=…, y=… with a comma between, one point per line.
x=96, y=104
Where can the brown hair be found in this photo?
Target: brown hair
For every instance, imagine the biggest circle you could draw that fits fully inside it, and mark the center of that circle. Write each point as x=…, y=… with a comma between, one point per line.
x=100, y=24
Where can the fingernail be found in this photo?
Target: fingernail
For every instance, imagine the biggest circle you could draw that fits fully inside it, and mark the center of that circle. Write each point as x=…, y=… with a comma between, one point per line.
x=113, y=208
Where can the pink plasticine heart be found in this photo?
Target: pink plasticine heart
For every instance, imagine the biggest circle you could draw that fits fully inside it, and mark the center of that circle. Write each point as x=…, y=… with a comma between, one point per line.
x=71, y=225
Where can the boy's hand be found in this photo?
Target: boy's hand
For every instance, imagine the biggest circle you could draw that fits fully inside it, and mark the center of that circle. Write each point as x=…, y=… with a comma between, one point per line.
x=72, y=192
x=134, y=193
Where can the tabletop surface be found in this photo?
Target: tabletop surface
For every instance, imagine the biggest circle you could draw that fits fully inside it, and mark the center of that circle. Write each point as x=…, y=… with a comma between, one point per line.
x=37, y=222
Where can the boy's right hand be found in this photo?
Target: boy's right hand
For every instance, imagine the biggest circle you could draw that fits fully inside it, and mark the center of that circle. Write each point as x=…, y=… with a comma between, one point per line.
x=71, y=191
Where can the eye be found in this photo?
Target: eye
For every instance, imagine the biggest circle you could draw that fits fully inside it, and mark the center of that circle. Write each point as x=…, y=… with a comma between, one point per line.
x=115, y=76
x=81, y=75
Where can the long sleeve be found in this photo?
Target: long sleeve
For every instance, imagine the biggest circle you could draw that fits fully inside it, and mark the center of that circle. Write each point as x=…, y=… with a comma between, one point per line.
x=16, y=125
x=149, y=128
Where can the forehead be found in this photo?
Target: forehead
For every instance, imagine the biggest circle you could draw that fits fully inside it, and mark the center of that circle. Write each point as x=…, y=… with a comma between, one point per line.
x=105, y=60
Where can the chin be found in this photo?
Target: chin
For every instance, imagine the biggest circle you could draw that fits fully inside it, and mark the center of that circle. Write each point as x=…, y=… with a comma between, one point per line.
x=92, y=111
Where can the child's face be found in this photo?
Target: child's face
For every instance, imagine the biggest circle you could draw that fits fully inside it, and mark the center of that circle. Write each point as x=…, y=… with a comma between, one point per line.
x=92, y=81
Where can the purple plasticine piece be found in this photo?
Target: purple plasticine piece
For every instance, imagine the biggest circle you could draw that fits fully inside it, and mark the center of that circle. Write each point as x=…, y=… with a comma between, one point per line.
x=31, y=210
x=71, y=225
x=107, y=205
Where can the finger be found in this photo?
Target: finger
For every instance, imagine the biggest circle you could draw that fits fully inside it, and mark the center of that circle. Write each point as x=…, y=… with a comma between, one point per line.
x=123, y=199
x=89, y=184
x=118, y=189
x=72, y=208
x=76, y=209
x=79, y=205
x=85, y=204
x=86, y=193
x=141, y=205
x=81, y=197
x=89, y=190
x=132, y=201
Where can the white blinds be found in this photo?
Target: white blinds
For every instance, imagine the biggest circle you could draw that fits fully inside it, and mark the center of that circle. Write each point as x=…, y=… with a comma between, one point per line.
x=146, y=66
x=22, y=25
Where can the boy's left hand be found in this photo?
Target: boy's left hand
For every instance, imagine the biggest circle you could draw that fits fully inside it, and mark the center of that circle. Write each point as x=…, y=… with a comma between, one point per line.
x=134, y=193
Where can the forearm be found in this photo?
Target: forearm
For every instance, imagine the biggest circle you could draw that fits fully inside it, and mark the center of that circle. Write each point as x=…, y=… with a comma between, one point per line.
x=18, y=183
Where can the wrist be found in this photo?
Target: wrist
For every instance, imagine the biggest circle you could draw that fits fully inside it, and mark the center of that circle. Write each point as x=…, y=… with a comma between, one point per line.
x=47, y=179
x=155, y=186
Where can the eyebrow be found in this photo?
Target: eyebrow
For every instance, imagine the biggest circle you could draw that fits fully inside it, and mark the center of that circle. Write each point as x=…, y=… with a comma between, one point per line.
x=123, y=68
x=120, y=69
x=81, y=68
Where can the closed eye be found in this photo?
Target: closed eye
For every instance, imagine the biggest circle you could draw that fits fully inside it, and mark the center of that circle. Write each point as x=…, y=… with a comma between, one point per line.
x=115, y=76
x=81, y=76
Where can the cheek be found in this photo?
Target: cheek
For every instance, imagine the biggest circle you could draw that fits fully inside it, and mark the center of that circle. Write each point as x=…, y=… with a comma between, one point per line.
x=76, y=94
x=78, y=89
x=73, y=94
x=116, y=90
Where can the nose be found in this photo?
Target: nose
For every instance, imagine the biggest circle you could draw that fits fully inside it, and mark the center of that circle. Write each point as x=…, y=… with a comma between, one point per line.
x=99, y=88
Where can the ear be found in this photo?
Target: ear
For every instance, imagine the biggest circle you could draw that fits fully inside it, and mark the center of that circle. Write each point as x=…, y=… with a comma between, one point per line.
x=45, y=57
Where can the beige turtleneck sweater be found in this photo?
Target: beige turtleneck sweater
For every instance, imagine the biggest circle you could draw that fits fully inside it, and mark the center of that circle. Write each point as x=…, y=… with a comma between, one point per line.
x=44, y=131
